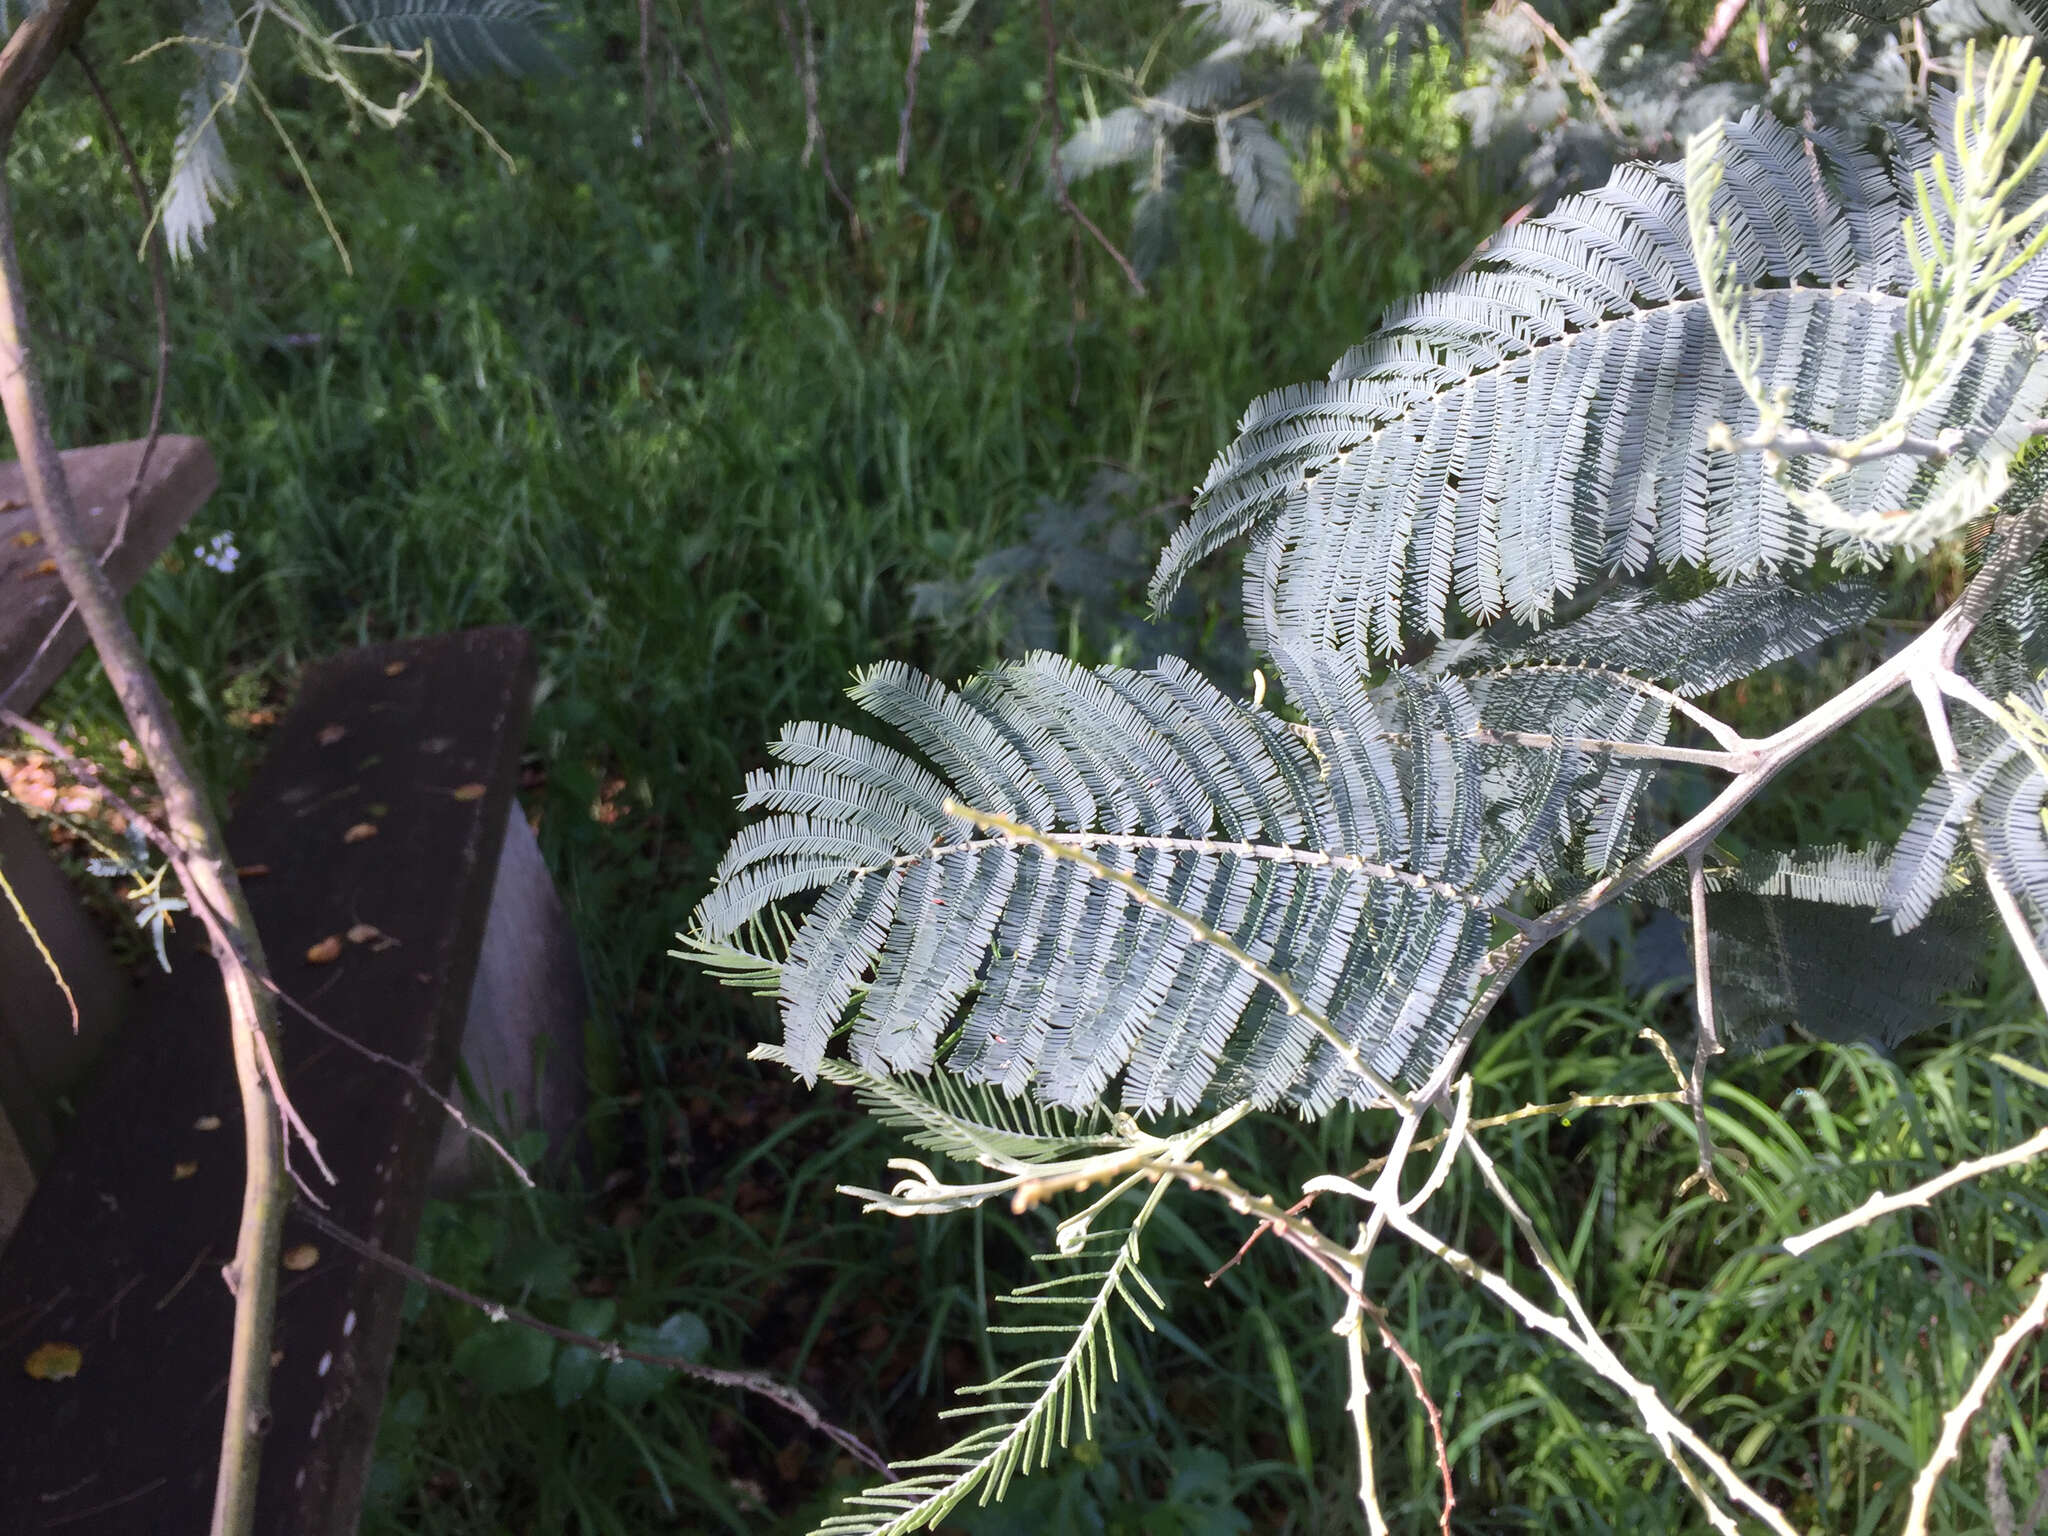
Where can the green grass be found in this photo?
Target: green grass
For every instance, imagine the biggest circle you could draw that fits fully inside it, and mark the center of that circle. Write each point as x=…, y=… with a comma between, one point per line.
x=701, y=442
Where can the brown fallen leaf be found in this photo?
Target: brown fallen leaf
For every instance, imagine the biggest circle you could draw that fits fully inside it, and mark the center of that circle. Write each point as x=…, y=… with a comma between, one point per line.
x=299, y=1258
x=329, y=734
x=183, y=1171
x=326, y=952
x=393, y=668
x=789, y=1461
x=362, y=933
x=469, y=792
x=28, y=538
x=40, y=568
x=206, y=1123
x=361, y=832
x=53, y=1362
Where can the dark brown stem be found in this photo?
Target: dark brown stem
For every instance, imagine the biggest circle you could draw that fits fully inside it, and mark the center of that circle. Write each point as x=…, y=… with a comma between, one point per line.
x=1059, y=128
x=160, y=298
x=787, y=1398
x=805, y=63
x=32, y=51
x=159, y=295
x=1707, y=1044
x=920, y=40
x=204, y=868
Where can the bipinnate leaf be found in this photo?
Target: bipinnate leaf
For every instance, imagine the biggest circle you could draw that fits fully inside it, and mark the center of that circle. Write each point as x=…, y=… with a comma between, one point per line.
x=1356, y=863
x=469, y=38
x=1502, y=441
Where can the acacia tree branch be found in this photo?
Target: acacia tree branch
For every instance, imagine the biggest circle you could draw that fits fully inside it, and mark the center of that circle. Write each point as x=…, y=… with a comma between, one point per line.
x=1932, y=653
x=205, y=870
x=920, y=40
x=159, y=292
x=1057, y=120
x=1958, y=1417
x=33, y=49
x=1920, y=1195
x=1708, y=1045
x=1578, y=68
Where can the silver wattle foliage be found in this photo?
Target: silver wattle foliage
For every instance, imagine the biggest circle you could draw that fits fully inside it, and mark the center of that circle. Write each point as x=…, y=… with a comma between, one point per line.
x=1505, y=440
x=1363, y=850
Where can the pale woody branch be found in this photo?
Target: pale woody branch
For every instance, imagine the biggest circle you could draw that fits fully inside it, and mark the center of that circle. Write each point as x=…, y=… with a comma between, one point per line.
x=1920, y=1194
x=1958, y=1417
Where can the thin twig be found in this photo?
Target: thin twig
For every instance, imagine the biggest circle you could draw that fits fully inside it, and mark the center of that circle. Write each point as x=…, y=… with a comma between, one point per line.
x=1919, y=1195
x=1647, y=1402
x=160, y=299
x=804, y=62
x=412, y=1073
x=785, y=1397
x=1707, y=1044
x=35, y=939
x=1732, y=740
x=83, y=773
x=1719, y=25
x=920, y=40
x=1958, y=1417
x=1570, y=1106
x=204, y=870
x=1057, y=120
x=1928, y=688
x=1670, y=1433
x=1584, y=76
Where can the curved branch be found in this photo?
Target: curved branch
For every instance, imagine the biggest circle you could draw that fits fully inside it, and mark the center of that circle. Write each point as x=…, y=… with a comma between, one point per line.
x=1958, y=1417
x=32, y=51
x=204, y=868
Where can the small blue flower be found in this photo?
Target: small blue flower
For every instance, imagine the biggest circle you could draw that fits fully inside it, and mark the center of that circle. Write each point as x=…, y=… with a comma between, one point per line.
x=219, y=552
